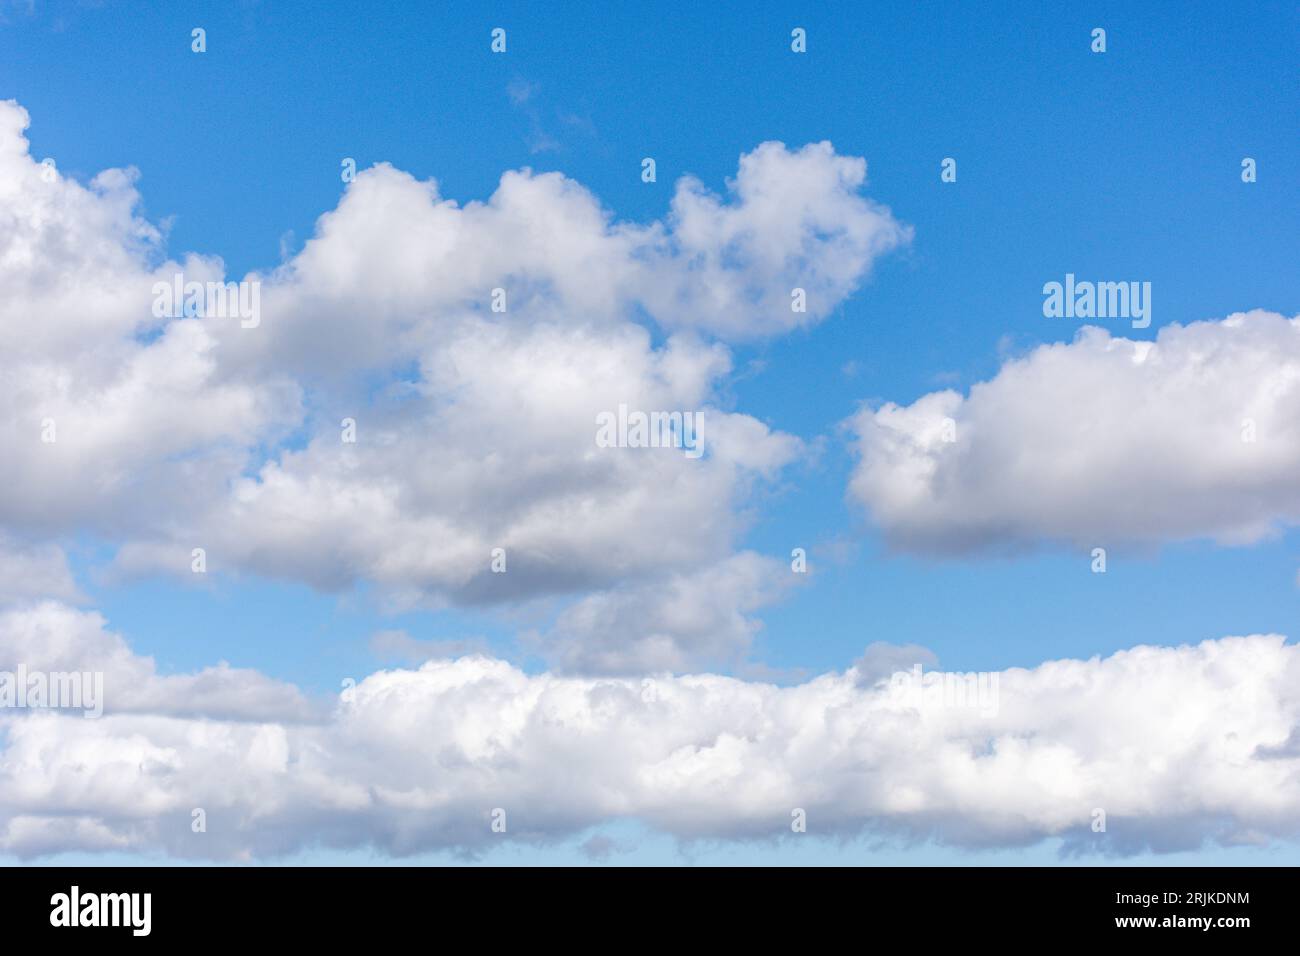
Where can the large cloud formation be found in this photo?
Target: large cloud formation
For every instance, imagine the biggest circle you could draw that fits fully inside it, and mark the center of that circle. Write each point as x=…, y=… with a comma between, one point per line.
x=1176, y=746
x=490, y=442
x=1098, y=442
x=475, y=428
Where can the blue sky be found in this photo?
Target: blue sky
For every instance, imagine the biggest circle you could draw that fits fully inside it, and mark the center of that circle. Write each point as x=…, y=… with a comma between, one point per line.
x=1122, y=165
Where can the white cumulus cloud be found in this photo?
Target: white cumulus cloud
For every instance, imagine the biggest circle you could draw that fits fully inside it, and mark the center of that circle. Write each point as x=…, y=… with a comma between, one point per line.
x=1177, y=745
x=1099, y=441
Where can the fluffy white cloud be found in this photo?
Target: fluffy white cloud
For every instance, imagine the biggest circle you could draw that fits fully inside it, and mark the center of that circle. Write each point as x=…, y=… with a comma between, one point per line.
x=797, y=221
x=1177, y=745
x=494, y=446
x=52, y=638
x=110, y=418
x=485, y=439
x=396, y=266
x=476, y=428
x=1101, y=441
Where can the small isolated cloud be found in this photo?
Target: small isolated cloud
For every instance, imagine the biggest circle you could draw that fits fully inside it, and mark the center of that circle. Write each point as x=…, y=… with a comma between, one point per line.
x=1101, y=441
x=600, y=848
x=881, y=660
x=400, y=646
x=520, y=91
